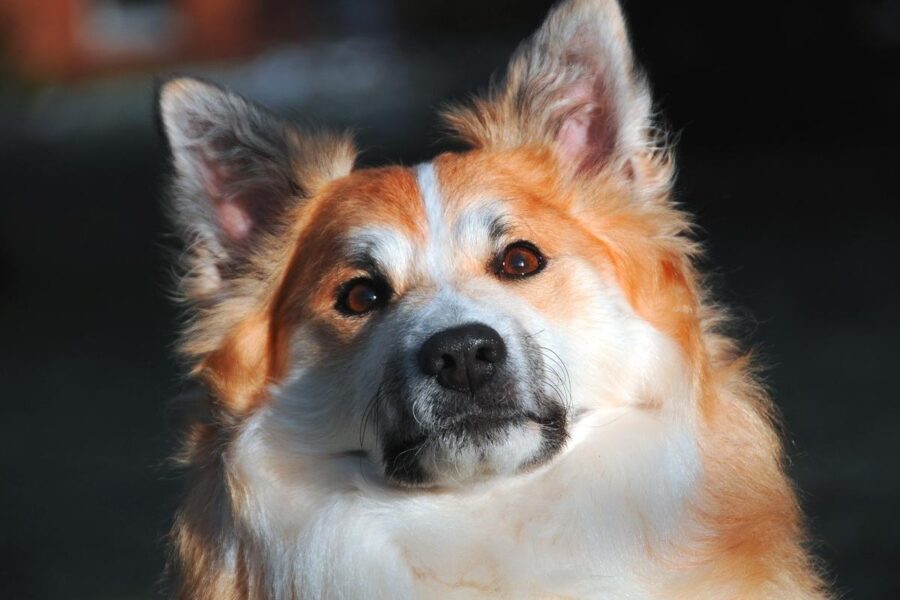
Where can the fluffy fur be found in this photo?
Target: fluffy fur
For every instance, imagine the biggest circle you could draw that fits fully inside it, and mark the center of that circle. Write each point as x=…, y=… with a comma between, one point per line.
x=636, y=457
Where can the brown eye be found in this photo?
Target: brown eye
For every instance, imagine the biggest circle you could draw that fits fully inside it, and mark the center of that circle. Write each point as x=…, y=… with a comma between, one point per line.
x=362, y=295
x=521, y=259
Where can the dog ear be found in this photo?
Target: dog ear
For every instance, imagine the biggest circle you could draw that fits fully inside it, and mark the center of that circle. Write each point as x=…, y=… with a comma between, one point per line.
x=239, y=172
x=572, y=86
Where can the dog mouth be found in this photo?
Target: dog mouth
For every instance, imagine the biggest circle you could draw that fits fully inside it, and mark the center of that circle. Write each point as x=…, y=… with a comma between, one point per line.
x=475, y=421
x=414, y=461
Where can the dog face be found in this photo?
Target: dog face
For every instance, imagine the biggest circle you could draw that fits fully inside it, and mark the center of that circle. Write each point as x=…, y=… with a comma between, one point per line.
x=435, y=325
x=427, y=322
x=455, y=320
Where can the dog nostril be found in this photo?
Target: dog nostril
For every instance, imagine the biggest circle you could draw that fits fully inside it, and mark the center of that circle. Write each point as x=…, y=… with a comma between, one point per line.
x=446, y=362
x=486, y=354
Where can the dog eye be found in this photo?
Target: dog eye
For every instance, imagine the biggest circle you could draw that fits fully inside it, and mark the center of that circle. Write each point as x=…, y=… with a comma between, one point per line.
x=521, y=259
x=362, y=295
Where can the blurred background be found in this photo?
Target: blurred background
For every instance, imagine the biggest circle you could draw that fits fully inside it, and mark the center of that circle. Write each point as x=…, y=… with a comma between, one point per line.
x=786, y=116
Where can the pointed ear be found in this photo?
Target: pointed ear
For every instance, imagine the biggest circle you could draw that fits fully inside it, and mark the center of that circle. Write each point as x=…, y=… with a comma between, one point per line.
x=572, y=86
x=238, y=173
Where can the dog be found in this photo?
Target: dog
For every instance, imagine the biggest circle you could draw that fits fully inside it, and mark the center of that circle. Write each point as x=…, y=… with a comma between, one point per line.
x=495, y=374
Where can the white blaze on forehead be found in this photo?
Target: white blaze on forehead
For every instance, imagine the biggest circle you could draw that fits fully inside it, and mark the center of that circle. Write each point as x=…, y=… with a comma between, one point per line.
x=471, y=232
x=431, y=198
x=439, y=242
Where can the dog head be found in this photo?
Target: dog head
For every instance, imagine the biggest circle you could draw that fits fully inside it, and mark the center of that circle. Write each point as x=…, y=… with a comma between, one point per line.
x=454, y=320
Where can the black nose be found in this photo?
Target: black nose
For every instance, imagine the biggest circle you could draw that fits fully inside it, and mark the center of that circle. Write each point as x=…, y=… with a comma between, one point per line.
x=463, y=358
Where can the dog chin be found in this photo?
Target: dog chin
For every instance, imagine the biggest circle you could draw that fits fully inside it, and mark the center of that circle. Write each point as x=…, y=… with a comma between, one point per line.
x=476, y=447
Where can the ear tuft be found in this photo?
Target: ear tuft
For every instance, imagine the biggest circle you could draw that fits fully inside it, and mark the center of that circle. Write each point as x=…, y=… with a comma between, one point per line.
x=572, y=86
x=232, y=159
x=239, y=172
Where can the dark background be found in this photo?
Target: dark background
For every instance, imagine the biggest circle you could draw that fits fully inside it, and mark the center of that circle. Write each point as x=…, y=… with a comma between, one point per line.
x=786, y=116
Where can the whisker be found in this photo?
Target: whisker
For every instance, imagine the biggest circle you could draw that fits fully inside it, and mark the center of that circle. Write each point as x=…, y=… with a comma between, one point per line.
x=416, y=449
x=556, y=376
x=556, y=386
x=368, y=414
x=562, y=364
x=551, y=356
